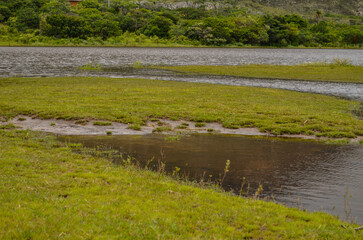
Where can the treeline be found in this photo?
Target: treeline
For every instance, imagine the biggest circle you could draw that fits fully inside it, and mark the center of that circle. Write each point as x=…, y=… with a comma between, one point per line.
x=92, y=19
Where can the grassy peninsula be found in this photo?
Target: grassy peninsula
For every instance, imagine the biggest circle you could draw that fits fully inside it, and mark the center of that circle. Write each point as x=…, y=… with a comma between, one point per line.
x=136, y=101
x=48, y=192
x=331, y=72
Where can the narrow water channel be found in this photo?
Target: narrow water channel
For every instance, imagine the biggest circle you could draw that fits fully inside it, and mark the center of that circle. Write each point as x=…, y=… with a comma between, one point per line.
x=302, y=174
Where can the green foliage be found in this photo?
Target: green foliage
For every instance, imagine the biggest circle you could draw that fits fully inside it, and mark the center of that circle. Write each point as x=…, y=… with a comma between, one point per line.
x=88, y=4
x=4, y=13
x=159, y=26
x=65, y=26
x=56, y=7
x=221, y=25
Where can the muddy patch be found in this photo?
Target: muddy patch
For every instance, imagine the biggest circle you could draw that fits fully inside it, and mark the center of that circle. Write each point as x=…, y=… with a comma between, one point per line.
x=164, y=126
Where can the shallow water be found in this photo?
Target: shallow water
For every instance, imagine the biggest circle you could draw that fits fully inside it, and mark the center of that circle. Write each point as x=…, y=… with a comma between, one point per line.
x=56, y=61
x=302, y=174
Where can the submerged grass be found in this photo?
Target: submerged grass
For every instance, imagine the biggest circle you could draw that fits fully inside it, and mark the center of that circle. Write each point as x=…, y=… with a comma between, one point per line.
x=332, y=72
x=49, y=192
x=135, y=101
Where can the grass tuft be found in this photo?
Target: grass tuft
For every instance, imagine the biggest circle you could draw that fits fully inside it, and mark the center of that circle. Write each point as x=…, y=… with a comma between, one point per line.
x=102, y=123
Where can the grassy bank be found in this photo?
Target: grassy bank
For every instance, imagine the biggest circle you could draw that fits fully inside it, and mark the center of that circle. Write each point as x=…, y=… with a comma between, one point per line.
x=138, y=100
x=48, y=192
x=332, y=72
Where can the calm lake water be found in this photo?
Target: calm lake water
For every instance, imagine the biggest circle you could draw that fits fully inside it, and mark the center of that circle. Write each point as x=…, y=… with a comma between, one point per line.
x=312, y=176
x=65, y=61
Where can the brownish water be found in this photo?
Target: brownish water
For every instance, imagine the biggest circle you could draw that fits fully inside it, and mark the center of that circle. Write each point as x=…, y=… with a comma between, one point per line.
x=303, y=174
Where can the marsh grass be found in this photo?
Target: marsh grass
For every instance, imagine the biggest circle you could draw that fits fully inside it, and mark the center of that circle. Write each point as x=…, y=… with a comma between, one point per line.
x=82, y=122
x=135, y=101
x=91, y=67
x=98, y=123
x=135, y=127
x=200, y=125
x=82, y=196
x=338, y=71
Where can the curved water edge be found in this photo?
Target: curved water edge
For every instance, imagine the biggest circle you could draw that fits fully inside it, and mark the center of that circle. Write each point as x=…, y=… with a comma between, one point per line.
x=66, y=61
x=314, y=176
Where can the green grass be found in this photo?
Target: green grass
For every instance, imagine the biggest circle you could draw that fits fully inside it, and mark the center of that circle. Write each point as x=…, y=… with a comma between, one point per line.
x=135, y=101
x=136, y=127
x=48, y=192
x=98, y=123
x=312, y=72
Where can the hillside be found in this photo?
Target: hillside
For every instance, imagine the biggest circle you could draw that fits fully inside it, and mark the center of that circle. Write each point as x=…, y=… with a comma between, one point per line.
x=345, y=7
x=304, y=7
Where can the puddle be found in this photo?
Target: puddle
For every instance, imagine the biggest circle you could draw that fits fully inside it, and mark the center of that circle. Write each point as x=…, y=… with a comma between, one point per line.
x=301, y=174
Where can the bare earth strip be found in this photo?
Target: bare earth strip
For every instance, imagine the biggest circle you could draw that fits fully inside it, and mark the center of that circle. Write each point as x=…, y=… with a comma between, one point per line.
x=63, y=127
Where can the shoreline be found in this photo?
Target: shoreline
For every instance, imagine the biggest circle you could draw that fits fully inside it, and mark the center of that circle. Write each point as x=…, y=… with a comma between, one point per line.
x=91, y=127
x=174, y=46
x=67, y=188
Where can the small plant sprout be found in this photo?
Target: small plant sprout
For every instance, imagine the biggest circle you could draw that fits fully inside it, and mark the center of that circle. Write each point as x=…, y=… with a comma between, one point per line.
x=161, y=164
x=108, y=132
x=176, y=171
x=347, y=207
x=21, y=119
x=52, y=124
x=258, y=192
x=210, y=130
x=242, y=185
x=225, y=171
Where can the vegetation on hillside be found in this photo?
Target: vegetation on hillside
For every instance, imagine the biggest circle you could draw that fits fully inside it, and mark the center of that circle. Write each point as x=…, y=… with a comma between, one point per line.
x=202, y=23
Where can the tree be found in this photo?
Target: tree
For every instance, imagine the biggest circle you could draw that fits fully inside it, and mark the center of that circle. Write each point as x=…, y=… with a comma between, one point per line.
x=159, y=26
x=27, y=18
x=89, y=4
x=56, y=7
x=4, y=13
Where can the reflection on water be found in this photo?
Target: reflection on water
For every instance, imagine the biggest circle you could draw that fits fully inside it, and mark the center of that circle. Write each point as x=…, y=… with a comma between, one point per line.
x=305, y=174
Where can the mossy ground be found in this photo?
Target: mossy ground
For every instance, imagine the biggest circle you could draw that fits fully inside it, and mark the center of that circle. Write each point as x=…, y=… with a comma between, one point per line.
x=136, y=101
x=311, y=72
x=49, y=192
